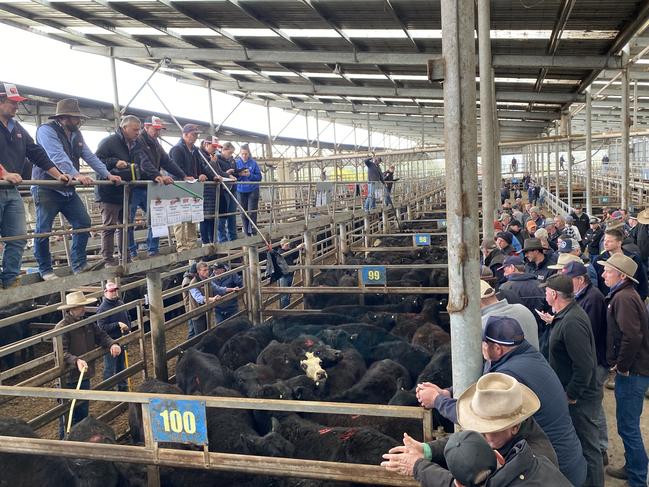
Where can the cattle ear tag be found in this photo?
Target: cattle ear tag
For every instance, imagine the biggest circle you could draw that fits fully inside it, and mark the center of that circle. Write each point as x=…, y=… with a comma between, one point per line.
x=309, y=343
x=353, y=336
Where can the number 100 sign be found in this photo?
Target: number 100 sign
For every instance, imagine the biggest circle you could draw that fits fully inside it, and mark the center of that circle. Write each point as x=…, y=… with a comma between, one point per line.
x=178, y=421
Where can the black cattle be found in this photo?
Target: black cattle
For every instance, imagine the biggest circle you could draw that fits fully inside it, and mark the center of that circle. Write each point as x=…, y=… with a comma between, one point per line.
x=19, y=331
x=201, y=372
x=250, y=377
x=350, y=445
x=135, y=410
x=407, y=323
x=438, y=371
x=239, y=350
x=382, y=319
x=430, y=336
x=91, y=473
x=225, y=426
x=305, y=389
x=346, y=373
x=216, y=338
x=20, y=470
x=413, y=358
x=361, y=336
x=332, y=278
x=378, y=385
x=407, y=304
x=284, y=358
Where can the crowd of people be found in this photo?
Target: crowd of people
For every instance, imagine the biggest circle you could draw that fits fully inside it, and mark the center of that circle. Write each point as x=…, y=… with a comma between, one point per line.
x=132, y=153
x=563, y=316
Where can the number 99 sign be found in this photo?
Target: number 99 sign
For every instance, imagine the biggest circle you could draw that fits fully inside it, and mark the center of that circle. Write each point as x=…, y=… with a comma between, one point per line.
x=372, y=276
x=178, y=421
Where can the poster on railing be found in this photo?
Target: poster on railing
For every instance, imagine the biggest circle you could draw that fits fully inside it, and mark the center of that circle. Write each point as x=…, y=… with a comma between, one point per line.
x=197, y=210
x=158, y=209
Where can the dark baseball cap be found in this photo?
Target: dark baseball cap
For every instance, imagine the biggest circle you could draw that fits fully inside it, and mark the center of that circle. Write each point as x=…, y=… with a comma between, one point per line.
x=503, y=331
x=190, y=127
x=559, y=282
x=467, y=455
x=515, y=223
x=512, y=260
x=565, y=245
x=506, y=236
x=575, y=269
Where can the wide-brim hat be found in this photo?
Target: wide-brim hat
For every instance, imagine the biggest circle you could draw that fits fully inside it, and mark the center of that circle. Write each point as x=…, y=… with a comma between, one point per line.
x=532, y=244
x=494, y=403
x=643, y=217
x=623, y=264
x=68, y=107
x=563, y=260
x=76, y=299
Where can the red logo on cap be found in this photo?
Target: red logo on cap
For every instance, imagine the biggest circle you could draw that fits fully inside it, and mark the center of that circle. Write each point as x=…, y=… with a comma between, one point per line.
x=13, y=90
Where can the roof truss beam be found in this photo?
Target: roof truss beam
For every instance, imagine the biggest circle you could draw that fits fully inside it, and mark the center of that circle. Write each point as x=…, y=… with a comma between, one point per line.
x=358, y=58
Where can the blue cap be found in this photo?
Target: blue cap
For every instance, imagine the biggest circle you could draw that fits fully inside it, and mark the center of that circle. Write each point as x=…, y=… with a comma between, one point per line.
x=515, y=259
x=503, y=331
x=565, y=245
x=575, y=269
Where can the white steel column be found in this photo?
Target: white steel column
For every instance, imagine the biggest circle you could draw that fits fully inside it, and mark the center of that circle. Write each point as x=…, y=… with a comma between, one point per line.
x=458, y=49
x=589, y=153
x=624, y=145
x=487, y=108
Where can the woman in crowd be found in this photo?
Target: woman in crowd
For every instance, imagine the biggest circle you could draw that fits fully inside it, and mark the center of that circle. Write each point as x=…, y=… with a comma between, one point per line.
x=248, y=172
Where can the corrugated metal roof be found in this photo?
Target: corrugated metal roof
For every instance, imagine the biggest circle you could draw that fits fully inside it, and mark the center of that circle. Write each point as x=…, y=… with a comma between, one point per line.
x=393, y=27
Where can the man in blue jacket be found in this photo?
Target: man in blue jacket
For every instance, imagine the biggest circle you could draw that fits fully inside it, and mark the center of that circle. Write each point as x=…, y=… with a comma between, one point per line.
x=115, y=326
x=248, y=172
x=506, y=351
x=231, y=307
x=16, y=148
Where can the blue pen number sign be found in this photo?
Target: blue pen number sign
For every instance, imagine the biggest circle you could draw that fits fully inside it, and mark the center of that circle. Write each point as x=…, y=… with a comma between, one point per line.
x=373, y=276
x=422, y=240
x=178, y=421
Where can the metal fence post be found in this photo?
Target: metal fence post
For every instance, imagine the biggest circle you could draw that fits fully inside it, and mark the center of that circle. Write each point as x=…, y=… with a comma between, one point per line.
x=157, y=320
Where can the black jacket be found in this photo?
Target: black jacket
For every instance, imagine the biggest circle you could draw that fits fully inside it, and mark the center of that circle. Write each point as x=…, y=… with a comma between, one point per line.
x=541, y=271
x=524, y=467
x=433, y=473
x=188, y=160
x=389, y=179
x=582, y=222
x=592, y=239
x=572, y=353
x=642, y=240
x=18, y=145
x=374, y=173
x=524, y=288
x=112, y=149
x=591, y=301
x=110, y=324
x=156, y=159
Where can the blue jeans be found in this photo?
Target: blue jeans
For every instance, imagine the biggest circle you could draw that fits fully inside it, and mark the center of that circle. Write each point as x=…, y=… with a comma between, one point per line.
x=113, y=366
x=227, y=228
x=139, y=199
x=387, y=198
x=370, y=201
x=250, y=202
x=629, y=399
x=80, y=408
x=191, y=332
x=285, y=281
x=207, y=230
x=602, y=374
x=50, y=203
x=12, y=224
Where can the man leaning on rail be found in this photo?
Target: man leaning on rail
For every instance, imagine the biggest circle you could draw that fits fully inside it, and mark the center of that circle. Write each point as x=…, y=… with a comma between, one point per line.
x=64, y=144
x=16, y=148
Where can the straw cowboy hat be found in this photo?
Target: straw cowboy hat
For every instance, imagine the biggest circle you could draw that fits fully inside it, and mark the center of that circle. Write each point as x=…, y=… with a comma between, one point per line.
x=486, y=290
x=494, y=403
x=623, y=264
x=69, y=107
x=76, y=299
x=643, y=217
x=563, y=260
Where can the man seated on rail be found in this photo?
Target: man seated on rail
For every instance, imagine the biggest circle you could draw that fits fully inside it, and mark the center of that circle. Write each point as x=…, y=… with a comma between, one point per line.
x=78, y=342
x=64, y=144
x=16, y=148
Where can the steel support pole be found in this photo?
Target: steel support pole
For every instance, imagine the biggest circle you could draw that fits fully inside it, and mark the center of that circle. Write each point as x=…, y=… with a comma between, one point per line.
x=254, y=280
x=113, y=75
x=556, y=163
x=635, y=104
x=498, y=168
x=308, y=140
x=335, y=143
x=589, y=154
x=308, y=257
x=569, y=159
x=458, y=50
x=369, y=133
x=218, y=127
x=624, y=149
x=210, y=104
x=270, y=134
x=157, y=321
x=487, y=107
x=317, y=131
x=423, y=131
